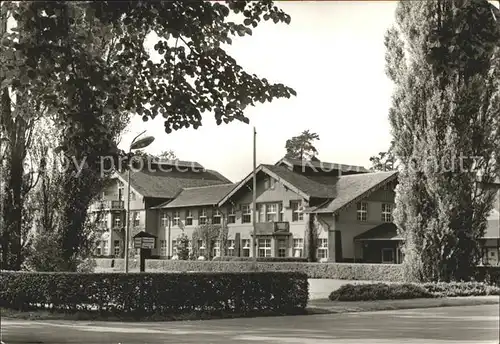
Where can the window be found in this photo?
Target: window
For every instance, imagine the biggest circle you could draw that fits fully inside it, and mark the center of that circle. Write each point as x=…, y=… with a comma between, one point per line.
x=120, y=191
x=116, y=248
x=217, y=217
x=246, y=213
x=137, y=219
x=272, y=212
x=245, y=243
x=176, y=215
x=189, y=217
x=387, y=255
x=231, y=216
x=105, y=248
x=202, y=218
x=98, y=249
x=269, y=183
x=298, y=247
x=362, y=211
x=322, y=248
x=163, y=248
x=132, y=196
x=103, y=221
x=174, y=247
x=386, y=212
x=164, y=219
x=282, y=248
x=297, y=214
x=262, y=212
x=117, y=221
x=230, y=248
x=216, y=248
x=264, y=247
x=282, y=212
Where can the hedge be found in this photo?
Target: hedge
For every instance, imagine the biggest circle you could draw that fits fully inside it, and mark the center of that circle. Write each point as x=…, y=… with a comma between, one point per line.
x=383, y=291
x=369, y=272
x=490, y=274
x=142, y=294
x=261, y=259
x=378, y=291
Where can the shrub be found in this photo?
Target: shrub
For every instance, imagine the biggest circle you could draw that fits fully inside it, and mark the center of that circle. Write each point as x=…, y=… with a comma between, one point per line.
x=378, y=291
x=142, y=294
x=370, y=272
x=383, y=291
x=260, y=259
x=488, y=274
x=454, y=289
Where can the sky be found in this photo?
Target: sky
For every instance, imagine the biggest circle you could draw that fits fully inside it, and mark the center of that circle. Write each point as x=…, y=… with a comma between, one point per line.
x=333, y=55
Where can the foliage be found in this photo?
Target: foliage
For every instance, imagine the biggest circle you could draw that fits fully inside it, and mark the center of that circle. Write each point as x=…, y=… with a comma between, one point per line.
x=311, y=238
x=369, y=272
x=454, y=289
x=301, y=147
x=378, y=291
x=183, y=247
x=384, y=161
x=207, y=234
x=444, y=59
x=140, y=295
x=260, y=259
x=87, y=65
x=384, y=291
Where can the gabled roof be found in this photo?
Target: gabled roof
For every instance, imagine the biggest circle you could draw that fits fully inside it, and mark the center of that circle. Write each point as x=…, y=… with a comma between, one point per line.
x=168, y=183
x=302, y=185
x=198, y=196
x=351, y=188
x=322, y=165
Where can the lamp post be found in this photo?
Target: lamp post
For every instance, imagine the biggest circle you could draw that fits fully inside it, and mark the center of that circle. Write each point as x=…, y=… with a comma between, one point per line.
x=144, y=142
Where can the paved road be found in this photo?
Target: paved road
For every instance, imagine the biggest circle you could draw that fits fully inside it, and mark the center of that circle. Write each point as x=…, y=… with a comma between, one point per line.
x=470, y=324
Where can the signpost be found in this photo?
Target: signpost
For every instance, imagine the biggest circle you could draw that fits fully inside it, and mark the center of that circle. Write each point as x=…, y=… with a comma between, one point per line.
x=145, y=242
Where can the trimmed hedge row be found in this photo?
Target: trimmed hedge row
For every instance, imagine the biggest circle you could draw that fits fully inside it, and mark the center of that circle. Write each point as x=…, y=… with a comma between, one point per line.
x=369, y=272
x=144, y=294
x=261, y=259
x=384, y=291
x=378, y=291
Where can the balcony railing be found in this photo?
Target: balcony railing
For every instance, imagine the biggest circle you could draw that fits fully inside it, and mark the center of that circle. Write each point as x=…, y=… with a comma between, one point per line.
x=108, y=205
x=272, y=227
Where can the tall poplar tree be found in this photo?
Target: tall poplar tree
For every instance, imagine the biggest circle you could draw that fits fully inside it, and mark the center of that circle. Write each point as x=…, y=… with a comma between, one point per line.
x=443, y=57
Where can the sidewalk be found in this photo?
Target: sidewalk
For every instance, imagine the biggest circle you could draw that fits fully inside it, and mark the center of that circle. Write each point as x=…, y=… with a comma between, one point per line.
x=327, y=306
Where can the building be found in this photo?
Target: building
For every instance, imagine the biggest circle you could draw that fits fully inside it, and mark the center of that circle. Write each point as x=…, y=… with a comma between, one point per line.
x=161, y=182
x=348, y=210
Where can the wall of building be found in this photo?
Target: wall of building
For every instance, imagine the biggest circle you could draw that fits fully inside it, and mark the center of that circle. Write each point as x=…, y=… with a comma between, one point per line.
x=278, y=194
x=349, y=226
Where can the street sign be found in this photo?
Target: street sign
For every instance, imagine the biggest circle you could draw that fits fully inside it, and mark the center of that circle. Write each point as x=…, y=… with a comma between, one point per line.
x=137, y=242
x=148, y=243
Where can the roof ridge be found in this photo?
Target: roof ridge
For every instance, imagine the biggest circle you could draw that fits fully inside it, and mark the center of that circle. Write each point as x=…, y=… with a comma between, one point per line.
x=208, y=186
x=367, y=174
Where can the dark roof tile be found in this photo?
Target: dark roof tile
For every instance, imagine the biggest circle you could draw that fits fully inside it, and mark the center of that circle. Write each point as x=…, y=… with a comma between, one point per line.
x=168, y=183
x=205, y=195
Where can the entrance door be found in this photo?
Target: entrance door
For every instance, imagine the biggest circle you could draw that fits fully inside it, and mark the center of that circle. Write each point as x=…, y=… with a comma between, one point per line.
x=388, y=256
